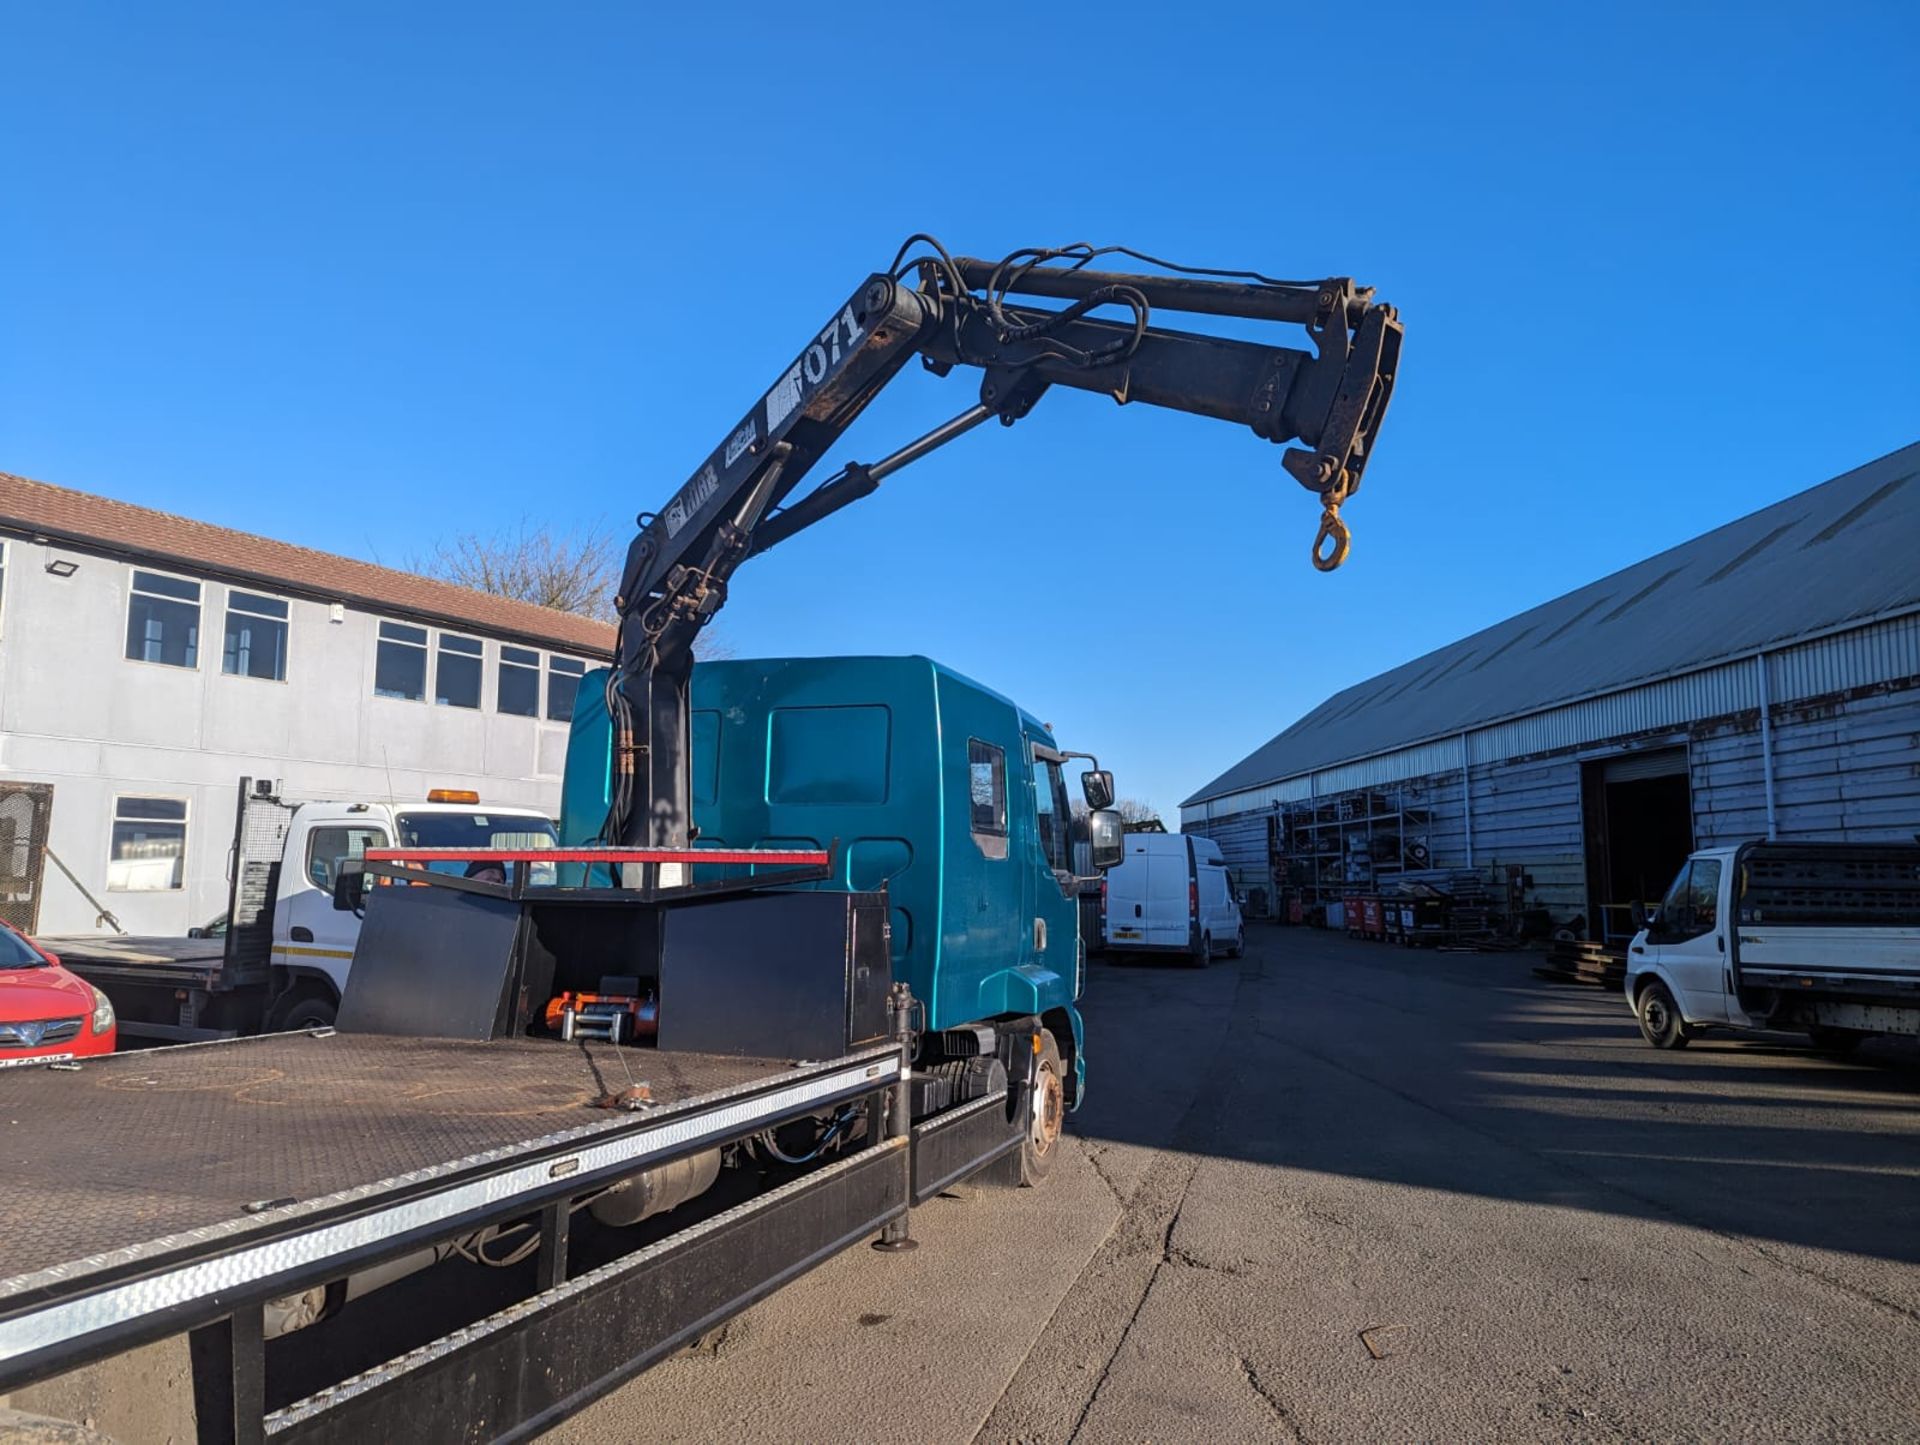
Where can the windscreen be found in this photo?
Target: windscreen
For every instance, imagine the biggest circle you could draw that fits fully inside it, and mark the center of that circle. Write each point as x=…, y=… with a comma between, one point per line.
x=16, y=952
x=481, y=831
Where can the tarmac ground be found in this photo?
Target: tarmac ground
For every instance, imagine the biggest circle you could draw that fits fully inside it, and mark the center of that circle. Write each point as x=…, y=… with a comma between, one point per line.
x=1342, y=1190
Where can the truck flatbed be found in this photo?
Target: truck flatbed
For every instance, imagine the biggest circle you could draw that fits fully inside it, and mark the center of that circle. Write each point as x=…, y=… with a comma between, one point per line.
x=170, y=1183
x=180, y=977
x=107, y=951
x=297, y=1118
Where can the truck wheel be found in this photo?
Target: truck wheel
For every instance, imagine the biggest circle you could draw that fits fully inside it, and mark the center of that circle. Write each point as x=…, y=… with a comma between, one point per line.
x=1835, y=1042
x=1047, y=1111
x=1239, y=943
x=1202, y=955
x=308, y=1013
x=1660, y=1021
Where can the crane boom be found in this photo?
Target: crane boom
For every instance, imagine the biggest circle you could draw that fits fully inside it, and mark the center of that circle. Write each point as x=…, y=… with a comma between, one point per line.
x=737, y=502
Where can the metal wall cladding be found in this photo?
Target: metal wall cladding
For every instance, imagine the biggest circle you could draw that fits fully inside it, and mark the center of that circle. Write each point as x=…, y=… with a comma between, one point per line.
x=1670, y=702
x=1243, y=843
x=1845, y=768
x=1882, y=652
x=1666, y=641
x=1840, y=771
x=1886, y=652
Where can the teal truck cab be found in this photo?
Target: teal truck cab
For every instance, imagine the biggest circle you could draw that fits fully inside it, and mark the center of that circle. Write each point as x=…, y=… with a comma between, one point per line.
x=922, y=783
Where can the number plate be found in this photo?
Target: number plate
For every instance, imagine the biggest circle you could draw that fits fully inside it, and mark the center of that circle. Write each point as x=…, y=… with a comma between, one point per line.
x=1126, y=933
x=36, y=1059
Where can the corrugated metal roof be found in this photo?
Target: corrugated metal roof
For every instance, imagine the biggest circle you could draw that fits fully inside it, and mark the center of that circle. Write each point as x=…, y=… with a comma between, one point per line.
x=1844, y=551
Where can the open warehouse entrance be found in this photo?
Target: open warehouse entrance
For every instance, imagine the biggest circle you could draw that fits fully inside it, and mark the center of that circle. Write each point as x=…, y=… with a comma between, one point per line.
x=1638, y=813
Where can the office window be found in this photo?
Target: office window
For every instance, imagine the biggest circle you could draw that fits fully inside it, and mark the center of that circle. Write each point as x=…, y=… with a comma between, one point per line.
x=149, y=849
x=163, y=620
x=563, y=681
x=400, y=667
x=457, y=677
x=256, y=643
x=518, y=691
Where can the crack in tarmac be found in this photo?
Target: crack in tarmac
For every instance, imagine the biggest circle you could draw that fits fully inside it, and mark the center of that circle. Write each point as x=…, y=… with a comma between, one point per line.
x=1198, y=1125
x=1095, y=1157
x=1140, y=1304
x=1272, y=1401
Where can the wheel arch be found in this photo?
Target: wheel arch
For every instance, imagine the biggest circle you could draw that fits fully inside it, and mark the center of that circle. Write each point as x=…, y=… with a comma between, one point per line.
x=294, y=983
x=1064, y=1025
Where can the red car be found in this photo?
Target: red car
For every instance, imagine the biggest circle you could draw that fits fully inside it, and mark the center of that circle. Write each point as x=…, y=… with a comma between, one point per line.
x=47, y=1014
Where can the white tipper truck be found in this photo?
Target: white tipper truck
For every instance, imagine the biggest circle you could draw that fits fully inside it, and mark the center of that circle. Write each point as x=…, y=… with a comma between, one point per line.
x=278, y=958
x=1820, y=938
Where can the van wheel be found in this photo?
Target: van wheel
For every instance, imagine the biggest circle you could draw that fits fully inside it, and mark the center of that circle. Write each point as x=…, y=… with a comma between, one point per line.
x=1660, y=1021
x=1239, y=943
x=1047, y=1112
x=1202, y=955
x=308, y=1013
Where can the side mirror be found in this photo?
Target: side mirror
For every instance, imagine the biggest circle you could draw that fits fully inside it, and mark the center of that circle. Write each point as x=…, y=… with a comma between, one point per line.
x=1107, y=838
x=1096, y=786
x=350, y=886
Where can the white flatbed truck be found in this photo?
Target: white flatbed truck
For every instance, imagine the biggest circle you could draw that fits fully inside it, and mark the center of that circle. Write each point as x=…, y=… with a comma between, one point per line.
x=1820, y=938
x=278, y=958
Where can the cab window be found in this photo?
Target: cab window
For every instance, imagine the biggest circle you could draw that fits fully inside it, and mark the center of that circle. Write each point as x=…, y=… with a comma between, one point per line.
x=1692, y=904
x=1703, y=894
x=327, y=846
x=1052, y=815
x=987, y=797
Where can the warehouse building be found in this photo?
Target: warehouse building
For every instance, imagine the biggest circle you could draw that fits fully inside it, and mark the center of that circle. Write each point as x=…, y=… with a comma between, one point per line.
x=1762, y=680
x=148, y=662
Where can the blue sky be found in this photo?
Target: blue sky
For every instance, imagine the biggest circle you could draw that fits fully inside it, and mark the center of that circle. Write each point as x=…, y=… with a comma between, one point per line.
x=361, y=275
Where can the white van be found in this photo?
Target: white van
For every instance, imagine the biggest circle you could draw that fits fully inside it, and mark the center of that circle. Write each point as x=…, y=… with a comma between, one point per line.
x=1171, y=895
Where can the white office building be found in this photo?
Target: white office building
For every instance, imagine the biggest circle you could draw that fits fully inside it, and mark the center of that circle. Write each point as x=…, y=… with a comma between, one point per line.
x=148, y=662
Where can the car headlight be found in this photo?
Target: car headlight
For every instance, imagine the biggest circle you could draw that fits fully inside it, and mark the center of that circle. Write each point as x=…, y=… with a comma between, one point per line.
x=102, y=1012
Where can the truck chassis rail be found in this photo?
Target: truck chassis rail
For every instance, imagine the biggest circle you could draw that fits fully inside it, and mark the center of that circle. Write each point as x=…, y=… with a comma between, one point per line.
x=539, y=1361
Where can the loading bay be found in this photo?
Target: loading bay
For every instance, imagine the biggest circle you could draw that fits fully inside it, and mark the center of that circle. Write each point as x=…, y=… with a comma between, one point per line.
x=1348, y=1191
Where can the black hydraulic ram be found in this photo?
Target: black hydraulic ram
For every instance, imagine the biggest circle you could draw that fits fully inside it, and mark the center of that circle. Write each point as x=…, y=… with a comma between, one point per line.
x=742, y=499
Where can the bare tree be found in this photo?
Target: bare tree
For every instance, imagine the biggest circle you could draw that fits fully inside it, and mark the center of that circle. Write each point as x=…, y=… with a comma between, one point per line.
x=1135, y=816
x=567, y=571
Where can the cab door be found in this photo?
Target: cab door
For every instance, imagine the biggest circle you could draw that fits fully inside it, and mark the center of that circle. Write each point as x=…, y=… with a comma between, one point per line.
x=309, y=932
x=1689, y=942
x=1054, y=904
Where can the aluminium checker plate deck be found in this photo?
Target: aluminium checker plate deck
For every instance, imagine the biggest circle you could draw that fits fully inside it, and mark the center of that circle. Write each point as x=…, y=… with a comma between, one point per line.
x=140, y=1168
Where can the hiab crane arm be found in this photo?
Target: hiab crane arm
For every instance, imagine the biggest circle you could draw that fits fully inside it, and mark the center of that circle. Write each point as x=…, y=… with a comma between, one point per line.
x=956, y=313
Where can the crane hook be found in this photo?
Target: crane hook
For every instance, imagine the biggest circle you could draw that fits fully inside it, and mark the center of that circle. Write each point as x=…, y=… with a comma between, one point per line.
x=1333, y=530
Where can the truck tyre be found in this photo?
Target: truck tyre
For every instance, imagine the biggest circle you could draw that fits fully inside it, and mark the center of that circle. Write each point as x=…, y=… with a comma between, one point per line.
x=1047, y=1111
x=1239, y=947
x=1837, y=1043
x=1660, y=1021
x=1202, y=954
x=311, y=1012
